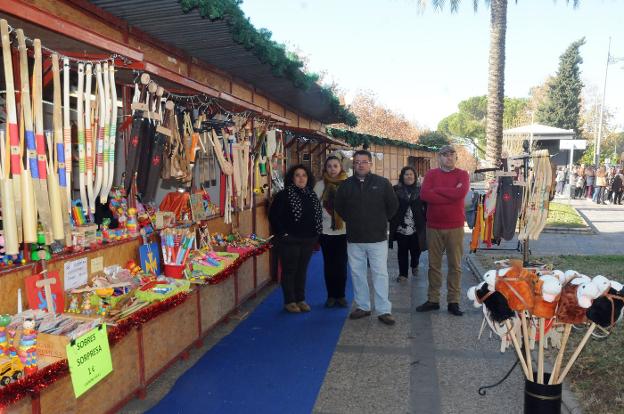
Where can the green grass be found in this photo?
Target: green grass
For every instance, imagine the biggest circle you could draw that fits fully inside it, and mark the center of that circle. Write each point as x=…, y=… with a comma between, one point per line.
x=562, y=215
x=597, y=377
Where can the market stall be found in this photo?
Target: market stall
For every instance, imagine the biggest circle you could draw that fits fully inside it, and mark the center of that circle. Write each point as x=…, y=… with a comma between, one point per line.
x=134, y=178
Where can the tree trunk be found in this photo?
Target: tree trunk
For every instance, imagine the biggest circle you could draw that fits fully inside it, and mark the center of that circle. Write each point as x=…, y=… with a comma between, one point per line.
x=496, y=81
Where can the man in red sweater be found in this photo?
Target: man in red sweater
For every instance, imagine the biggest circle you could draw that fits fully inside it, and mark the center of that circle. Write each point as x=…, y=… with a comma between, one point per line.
x=444, y=190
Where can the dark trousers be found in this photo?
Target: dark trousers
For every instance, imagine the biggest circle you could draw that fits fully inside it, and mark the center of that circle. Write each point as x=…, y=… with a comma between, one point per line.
x=335, y=264
x=617, y=197
x=295, y=253
x=408, y=245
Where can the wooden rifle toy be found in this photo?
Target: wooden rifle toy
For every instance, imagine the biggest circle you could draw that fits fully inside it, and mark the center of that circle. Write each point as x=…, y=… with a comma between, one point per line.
x=30, y=214
x=42, y=195
x=82, y=155
x=10, y=163
x=59, y=167
x=89, y=151
x=99, y=147
x=67, y=146
x=112, y=138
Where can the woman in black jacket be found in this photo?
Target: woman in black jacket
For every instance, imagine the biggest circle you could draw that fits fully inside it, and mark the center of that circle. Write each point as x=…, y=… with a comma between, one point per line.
x=408, y=226
x=296, y=220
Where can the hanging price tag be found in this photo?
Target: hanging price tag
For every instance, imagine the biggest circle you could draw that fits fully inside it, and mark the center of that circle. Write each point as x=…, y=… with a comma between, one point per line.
x=89, y=359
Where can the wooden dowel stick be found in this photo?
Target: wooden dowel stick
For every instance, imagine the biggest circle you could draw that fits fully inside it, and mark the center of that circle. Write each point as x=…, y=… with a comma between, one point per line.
x=564, y=342
x=540, y=354
x=576, y=353
x=527, y=346
x=516, y=345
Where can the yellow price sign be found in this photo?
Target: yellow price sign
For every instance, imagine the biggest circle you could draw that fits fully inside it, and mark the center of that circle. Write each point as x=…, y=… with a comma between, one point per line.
x=89, y=359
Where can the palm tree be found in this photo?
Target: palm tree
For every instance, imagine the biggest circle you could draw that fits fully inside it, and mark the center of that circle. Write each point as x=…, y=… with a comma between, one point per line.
x=496, y=71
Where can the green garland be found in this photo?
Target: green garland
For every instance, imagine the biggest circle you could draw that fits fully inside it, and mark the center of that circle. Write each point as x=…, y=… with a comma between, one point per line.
x=355, y=139
x=283, y=63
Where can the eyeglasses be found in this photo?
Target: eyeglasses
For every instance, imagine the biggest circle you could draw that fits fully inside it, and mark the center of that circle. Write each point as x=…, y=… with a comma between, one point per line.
x=447, y=154
x=361, y=162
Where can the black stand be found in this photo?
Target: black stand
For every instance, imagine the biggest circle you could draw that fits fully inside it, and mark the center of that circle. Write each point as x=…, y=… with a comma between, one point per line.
x=482, y=389
x=523, y=246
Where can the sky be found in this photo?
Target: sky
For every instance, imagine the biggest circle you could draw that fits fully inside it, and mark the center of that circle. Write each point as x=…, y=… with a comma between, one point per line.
x=422, y=64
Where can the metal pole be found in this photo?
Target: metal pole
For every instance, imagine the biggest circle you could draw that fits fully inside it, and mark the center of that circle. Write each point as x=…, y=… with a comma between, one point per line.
x=604, y=91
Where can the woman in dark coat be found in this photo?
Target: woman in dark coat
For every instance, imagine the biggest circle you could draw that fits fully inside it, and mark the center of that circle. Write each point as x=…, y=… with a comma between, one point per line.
x=408, y=226
x=296, y=220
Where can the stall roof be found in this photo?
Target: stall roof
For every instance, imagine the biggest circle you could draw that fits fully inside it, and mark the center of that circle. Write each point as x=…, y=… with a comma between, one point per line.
x=315, y=135
x=539, y=132
x=212, y=41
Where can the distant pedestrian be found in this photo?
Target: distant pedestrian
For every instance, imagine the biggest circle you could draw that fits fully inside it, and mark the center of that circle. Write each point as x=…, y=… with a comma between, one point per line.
x=589, y=181
x=444, y=190
x=366, y=202
x=618, y=187
x=296, y=220
x=333, y=240
x=560, y=178
x=580, y=186
x=408, y=226
x=572, y=184
x=601, y=183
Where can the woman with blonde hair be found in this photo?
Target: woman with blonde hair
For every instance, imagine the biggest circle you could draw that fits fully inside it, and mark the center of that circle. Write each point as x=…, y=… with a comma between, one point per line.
x=333, y=238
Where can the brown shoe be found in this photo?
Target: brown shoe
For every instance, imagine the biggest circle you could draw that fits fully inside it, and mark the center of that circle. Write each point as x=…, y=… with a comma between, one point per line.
x=342, y=302
x=359, y=314
x=401, y=279
x=387, y=318
x=303, y=307
x=292, y=307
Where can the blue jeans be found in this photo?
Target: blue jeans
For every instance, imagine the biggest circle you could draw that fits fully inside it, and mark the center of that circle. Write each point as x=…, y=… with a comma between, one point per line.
x=377, y=255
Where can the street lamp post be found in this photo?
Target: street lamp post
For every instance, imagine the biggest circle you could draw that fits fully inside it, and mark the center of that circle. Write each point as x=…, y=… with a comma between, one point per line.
x=610, y=60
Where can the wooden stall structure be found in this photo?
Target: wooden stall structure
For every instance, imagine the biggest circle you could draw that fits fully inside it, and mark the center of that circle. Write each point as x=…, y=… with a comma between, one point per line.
x=188, y=55
x=389, y=155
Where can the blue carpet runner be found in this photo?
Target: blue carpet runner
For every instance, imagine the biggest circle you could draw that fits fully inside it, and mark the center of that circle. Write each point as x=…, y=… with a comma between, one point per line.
x=273, y=362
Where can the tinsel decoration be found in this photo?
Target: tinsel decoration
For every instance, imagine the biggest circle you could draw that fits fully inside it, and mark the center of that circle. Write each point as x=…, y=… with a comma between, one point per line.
x=282, y=63
x=44, y=377
x=355, y=139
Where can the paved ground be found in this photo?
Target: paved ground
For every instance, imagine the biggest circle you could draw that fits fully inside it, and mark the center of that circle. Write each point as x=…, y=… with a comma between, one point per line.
x=427, y=363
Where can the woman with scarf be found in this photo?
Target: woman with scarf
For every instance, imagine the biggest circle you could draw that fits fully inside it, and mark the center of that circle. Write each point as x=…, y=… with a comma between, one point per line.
x=408, y=226
x=296, y=220
x=334, y=237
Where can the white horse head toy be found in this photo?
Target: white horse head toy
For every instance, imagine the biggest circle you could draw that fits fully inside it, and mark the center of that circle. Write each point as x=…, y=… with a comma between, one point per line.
x=490, y=278
x=551, y=287
x=602, y=283
x=586, y=293
x=472, y=295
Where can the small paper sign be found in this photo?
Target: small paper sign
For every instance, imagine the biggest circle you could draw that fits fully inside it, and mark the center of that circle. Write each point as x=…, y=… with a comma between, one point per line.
x=89, y=359
x=97, y=264
x=76, y=274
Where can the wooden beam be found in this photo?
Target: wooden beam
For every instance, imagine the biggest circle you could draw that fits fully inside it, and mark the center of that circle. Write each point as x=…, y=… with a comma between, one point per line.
x=37, y=16
x=181, y=80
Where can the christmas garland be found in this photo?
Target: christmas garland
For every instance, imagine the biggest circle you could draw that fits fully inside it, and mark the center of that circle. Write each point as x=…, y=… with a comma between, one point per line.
x=282, y=63
x=356, y=139
x=43, y=378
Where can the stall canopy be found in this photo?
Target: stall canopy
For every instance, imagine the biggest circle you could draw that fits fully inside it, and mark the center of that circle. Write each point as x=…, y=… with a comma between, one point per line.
x=313, y=135
x=219, y=34
x=539, y=132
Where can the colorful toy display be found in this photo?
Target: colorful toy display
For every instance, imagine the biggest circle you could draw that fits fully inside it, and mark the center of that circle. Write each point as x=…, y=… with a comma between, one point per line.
x=27, y=350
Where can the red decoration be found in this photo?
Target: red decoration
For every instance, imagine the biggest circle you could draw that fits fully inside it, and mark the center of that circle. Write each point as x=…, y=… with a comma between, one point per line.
x=44, y=377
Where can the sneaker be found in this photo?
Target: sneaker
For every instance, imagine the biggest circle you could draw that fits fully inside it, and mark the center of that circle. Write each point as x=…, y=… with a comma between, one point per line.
x=292, y=307
x=330, y=303
x=428, y=306
x=401, y=279
x=453, y=308
x=414, y=271
x=387, y=318
x=342, y=302
x=359, y=314
x=303, y=307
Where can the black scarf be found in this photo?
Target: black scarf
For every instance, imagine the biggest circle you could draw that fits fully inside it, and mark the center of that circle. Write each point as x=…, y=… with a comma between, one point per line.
x=295, y=200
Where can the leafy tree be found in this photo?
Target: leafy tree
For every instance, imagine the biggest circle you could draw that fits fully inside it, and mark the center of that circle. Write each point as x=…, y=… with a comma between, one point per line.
x=433, y=139
x=376, y=119
x=563, y=105
x=469, y=123
x=496, y=71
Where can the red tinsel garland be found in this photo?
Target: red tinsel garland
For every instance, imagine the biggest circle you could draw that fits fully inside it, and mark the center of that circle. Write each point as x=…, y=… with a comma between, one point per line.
x=46, y=376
